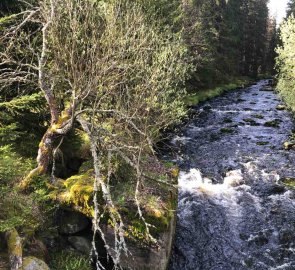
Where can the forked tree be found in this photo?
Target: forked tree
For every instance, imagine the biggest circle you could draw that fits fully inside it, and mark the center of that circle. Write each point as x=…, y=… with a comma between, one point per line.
x=105, y=66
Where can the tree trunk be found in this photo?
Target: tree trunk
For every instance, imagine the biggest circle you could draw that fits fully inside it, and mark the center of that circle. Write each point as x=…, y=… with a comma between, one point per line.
x=47, y=145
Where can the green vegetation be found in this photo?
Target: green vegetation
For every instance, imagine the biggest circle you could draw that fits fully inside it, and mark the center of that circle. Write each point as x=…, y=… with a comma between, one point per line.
x=69, y=260
x=90, y=95
x=285, y=62
x=203, y=95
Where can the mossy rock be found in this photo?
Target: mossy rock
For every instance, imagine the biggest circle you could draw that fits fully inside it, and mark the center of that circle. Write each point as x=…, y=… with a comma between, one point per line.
x=289, y=182
x=33, y=263
x=251, y=122
x=76, y=191
x=273, y=123
x=258, y=116
x=262, y=143
x=227, y=130
x=227, y=120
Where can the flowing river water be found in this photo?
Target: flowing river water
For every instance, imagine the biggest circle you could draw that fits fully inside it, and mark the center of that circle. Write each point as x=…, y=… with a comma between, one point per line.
x=234, y=213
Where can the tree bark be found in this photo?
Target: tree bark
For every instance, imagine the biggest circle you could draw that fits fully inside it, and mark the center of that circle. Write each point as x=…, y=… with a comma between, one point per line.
x=57, y=129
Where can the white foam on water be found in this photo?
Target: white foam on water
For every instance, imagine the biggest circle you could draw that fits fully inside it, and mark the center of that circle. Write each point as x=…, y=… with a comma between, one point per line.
x=193, y=180
x=282, y=267
x=178, y=139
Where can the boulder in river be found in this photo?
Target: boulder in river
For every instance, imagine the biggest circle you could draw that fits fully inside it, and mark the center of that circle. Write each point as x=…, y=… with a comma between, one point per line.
x=289, y=145
x=281, y=107
x=267, y=88
x=273, y=123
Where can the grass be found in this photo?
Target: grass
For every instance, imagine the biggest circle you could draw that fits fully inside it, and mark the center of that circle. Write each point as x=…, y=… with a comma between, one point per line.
x=203, y=95
x=69, y=260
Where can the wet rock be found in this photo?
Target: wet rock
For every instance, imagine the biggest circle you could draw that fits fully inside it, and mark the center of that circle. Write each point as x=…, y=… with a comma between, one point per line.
x=274, y=123
x=277, y=189
x=227, y=120
x=251, y=122
x=249, y=262
x=82, y=244
x=262, y=143
x=289, y=182
x=286, y=236
x=214, y=137
x=289, y=145
x=227, y=130
x=207, y=108
x=266, y=88
x=281, y=107
x=241, y=100
x=15, y=251
x=72, y=222
x=258, y=116
x=259, y=240
x=33, y=263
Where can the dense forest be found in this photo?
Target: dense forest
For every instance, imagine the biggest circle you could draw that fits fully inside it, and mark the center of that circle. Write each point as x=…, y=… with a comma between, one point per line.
x=89, y=91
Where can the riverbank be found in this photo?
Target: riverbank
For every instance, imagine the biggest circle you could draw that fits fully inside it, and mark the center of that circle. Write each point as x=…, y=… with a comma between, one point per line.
x=206, y=94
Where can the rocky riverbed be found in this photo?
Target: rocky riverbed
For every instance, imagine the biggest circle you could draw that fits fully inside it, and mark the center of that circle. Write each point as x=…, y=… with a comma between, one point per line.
x=235, y=212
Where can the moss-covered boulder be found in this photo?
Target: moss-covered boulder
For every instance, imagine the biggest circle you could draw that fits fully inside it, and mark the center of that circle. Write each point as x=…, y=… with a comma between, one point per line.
x=157, y=197
x=33, y=263
x=273, y=123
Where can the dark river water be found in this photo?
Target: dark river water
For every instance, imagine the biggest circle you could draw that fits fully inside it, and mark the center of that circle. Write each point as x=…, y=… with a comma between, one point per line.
x=233, y=211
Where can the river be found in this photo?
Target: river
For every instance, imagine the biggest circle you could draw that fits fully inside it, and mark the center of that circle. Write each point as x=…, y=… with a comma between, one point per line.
x=234, y=213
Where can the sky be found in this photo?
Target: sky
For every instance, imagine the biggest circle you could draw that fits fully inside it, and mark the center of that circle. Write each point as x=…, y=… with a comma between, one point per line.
x=278, y=9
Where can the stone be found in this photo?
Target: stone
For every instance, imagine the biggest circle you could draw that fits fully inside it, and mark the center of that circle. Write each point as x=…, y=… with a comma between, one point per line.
x=286, y=236
x=81, y=244
x=267, y=88
x=33, y=263
x=281, y=107
x=258, y=116
x=226, y=130
x=38, y=249
x=207, y=108
x=289, y=145
x=251, y=122
x=227, y=120
x=72, y=222
x=262, y=143
x=273, y=123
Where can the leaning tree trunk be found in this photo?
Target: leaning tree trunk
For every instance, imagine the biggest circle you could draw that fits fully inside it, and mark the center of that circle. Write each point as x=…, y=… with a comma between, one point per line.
x=50, y=139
